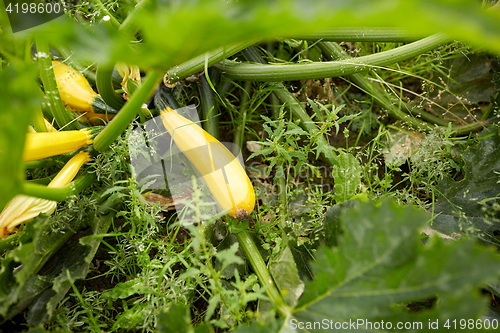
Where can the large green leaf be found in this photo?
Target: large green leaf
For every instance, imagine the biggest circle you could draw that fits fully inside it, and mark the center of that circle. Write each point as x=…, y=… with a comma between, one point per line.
x=470, y=205
x=284, y=271
x=175, y=31
x=17, y=100
x=380, y=262
x=49, y=258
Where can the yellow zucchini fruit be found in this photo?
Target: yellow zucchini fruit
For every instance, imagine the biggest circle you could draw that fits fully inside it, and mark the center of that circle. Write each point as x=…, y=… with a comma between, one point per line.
x=46, y=144
x=221, y=171
x=77, y=94
x=23, y=208
x=74, y=88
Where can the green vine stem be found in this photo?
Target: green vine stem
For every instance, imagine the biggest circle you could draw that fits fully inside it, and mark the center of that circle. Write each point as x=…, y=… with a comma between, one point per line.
x=380, y=96
x=209, y=106
x=112, y=18
x=242, y=118
x=393, y=35
x=259, y=267
x=58, y=193
x=120, y=122
x=104, y=82
x=319, y=70
x=64, y=119
x=38, y=120
x=396, y=107
x=197, y=64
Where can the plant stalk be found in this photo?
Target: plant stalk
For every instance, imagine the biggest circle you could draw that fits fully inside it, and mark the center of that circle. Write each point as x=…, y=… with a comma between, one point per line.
x=209, y=107
x=320, y=70
x=121, y=121
x=58, y=193
x=242, y=118
x=259, y=267
x=394, y=35
x=65, y=119
x=105, y=87
x=396, y=107
x=197, y=64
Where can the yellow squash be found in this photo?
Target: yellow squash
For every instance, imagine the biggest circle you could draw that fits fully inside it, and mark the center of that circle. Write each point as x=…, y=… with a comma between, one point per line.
x=77, y=94
x=46, y=144
x=221, y=171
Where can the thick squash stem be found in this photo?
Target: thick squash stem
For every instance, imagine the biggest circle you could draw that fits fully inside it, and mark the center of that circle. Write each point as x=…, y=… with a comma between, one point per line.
x=46, y=144
x=23, y=208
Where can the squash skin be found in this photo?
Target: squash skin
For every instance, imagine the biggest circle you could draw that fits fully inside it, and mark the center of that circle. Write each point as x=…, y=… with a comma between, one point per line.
x=231, y=188
x=74, y=89
x=46, y=144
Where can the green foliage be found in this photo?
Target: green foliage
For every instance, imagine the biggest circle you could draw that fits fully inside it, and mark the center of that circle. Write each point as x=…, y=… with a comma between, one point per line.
x=470, y=205
x=347, y=175
x=380, y=262
x=109, y=260
x=15, y=115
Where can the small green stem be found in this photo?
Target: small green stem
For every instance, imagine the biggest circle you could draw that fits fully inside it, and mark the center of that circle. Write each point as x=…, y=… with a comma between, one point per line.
x=491, y=106
x=209, y=107
x=105, y=87
x=59, y=193
x=119, y=123
x=259, y=267
x=65, y=119
x=305, y=121
x=319, y=70
x=393, y=35
x=112, y=18
x=242, y=118
x=197, y=64
x=38, y=120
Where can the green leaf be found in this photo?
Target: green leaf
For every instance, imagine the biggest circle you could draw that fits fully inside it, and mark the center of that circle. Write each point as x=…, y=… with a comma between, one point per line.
x=133, y=317
x=347, y=176
x=45, y=257
x=211, y=24
x=17, y=100
x=178, y=320
x=380, y=263
x=470, y=205
x=468, y=83
x=286, y=276
x=332, y=228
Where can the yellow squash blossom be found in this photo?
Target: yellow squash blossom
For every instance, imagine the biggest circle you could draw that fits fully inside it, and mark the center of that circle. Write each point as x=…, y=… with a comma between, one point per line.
x=23, y=208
